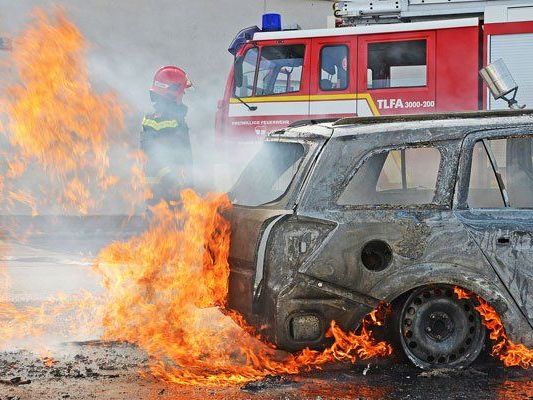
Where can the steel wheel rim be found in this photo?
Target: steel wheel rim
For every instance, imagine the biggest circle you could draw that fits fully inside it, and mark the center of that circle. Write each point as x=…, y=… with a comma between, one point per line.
x=438, y=330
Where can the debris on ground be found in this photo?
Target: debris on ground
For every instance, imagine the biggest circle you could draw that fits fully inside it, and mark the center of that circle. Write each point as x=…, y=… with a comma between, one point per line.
x=270, y=382
x=16, y=381
x=451, y=373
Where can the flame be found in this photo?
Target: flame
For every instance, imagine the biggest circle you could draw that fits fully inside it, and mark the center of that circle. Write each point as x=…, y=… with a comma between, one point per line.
x=160, y=283
x=165, y=289
x=47, y=358
x=511, y=354
x=67, y=316
x=57, y=126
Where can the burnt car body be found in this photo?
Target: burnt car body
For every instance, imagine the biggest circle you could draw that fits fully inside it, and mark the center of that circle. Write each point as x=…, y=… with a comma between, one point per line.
x=332, y=218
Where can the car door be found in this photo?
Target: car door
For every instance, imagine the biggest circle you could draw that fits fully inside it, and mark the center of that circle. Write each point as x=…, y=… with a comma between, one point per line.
x=495, y=203
x=389, y=204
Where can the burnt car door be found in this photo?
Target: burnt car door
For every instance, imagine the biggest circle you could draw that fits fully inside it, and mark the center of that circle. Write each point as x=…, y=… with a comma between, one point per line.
x=389, y=203
x=495, y=203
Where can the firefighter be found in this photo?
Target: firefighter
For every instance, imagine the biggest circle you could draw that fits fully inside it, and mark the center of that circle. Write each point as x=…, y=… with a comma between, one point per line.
x=165, y=136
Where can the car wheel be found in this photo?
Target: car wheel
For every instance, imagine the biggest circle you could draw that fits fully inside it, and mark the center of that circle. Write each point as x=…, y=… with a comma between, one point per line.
x=438, y=330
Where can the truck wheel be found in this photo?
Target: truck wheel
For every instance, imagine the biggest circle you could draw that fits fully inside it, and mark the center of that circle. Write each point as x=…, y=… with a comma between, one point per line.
x=438, y=330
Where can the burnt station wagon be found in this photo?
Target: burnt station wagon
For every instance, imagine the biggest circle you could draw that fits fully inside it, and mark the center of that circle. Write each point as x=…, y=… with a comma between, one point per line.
x=332, y=218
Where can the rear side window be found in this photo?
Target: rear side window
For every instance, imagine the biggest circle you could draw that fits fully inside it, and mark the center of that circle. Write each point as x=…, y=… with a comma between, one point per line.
x=513, y=158
x=334, y=68
x=397, y=64
x=397, y=177
x=270, y=173
x=280, y=69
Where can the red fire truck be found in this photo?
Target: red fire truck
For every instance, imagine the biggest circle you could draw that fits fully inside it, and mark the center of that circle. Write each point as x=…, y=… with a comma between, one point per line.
x=382, y=57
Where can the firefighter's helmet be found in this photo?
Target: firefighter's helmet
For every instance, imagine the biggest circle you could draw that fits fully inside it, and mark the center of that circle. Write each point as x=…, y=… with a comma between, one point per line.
x=170, y=82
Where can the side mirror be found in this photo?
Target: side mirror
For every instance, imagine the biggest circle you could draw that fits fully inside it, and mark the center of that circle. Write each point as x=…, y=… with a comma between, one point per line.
x=238, y=72
x=500, y=82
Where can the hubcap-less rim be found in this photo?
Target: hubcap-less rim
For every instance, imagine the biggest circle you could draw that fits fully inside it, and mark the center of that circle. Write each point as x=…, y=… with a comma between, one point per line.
x=439, y=330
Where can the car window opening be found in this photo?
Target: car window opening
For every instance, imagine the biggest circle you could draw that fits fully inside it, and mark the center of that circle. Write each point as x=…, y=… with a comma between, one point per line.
x=398, y=177
x=270, y=173
x=514, y=161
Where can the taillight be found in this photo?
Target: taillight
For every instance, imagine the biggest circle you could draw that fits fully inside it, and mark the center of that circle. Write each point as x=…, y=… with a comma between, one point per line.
x=301, y=238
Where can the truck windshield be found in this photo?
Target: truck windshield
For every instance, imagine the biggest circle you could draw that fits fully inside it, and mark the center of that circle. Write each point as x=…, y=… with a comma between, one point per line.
x=277, y=70
x=280, y=70
x=268, y=176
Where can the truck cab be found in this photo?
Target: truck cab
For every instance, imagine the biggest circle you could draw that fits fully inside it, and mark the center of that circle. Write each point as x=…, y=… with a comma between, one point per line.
x=421, y=63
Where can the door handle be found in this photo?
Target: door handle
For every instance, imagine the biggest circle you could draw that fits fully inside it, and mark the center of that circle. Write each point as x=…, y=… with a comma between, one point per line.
x=504, y=240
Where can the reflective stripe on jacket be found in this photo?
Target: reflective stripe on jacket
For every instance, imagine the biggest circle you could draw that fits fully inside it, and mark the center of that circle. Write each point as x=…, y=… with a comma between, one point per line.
x=158, y=125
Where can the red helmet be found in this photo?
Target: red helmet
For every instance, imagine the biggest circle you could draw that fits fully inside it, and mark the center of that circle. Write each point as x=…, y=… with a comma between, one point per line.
x=170, y=82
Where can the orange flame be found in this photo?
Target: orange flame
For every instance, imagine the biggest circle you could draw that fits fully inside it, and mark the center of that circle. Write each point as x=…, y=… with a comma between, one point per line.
x=47, y=359
x=158, y=284
x=57, y=126
x=511, y=354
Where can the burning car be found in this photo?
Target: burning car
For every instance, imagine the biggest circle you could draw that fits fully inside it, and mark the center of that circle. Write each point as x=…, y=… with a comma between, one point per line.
x=332, y=218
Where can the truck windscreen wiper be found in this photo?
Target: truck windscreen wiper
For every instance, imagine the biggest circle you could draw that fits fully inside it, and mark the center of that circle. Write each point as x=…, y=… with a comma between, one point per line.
x=249, y=107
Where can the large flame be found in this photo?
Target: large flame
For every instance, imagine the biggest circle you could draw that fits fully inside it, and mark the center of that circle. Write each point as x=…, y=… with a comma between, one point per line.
x=510, y=353
x=160, y=283
x=161, y=287
x=59, y=129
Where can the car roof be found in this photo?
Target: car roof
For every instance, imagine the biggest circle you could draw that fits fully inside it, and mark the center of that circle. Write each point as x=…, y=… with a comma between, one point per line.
x=445, y=126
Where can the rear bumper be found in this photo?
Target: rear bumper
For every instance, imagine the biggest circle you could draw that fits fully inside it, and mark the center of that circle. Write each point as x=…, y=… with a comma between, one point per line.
x=293, y=316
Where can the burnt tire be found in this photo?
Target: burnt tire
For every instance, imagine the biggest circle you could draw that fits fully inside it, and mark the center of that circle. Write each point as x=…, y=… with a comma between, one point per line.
x=438, y=330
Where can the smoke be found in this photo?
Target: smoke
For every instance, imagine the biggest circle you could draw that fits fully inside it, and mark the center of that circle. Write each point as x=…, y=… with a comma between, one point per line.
x=124, y=44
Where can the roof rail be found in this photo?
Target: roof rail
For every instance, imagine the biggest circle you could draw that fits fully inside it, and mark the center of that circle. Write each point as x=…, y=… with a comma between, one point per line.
x=427, y=117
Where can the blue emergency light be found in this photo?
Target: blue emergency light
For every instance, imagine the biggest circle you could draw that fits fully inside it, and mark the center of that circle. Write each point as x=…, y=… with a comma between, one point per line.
x=242, y=37
x=271, y=22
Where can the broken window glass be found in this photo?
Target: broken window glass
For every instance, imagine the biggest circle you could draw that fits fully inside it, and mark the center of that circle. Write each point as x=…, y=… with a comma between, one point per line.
x=397, y=64
x=398, y=177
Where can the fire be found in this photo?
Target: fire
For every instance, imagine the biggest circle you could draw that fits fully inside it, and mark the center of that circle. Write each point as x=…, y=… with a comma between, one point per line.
x=511, y=354
x=68, y=316
x=165, y=289
x=160, y=283
x=58, y=128
x=47, y=359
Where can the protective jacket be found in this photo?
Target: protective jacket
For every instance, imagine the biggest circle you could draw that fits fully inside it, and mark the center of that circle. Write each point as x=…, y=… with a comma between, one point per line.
x=166, y=144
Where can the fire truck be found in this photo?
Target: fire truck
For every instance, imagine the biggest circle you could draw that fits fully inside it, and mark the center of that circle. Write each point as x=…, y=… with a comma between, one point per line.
x=378, y=57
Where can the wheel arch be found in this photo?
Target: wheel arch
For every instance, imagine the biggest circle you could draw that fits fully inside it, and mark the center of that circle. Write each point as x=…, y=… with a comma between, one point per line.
x=401, y=284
